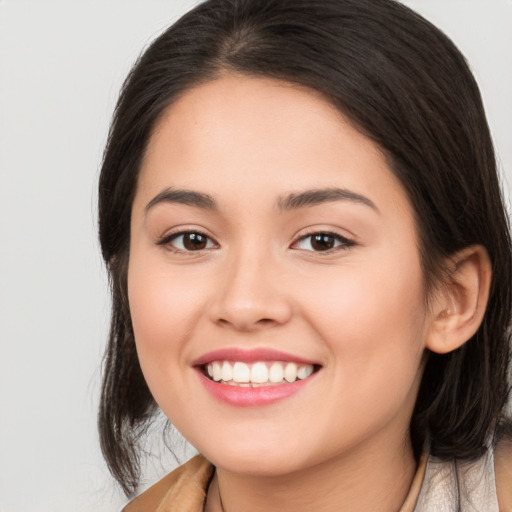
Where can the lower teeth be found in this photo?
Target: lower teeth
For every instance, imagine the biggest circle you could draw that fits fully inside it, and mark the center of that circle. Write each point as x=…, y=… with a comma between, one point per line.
x=250, y=384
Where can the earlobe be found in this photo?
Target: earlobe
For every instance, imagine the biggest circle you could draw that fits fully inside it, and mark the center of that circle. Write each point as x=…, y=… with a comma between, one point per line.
x=460, y=303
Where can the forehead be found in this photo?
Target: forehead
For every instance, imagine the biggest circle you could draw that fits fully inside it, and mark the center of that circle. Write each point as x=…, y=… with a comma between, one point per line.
x=261, y=137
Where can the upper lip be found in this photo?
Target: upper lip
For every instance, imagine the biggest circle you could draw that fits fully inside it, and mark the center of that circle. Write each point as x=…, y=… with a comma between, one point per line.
x=249, y=356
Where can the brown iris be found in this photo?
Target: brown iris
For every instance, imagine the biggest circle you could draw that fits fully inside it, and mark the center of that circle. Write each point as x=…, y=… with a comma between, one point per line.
x=194, y=241
x=322, y=242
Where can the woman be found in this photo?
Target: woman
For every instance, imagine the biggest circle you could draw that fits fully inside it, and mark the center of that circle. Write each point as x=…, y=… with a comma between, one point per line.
x=310, y=263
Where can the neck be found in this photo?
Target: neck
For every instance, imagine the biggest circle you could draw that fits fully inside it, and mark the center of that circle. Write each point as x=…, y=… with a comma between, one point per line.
x=378, y=479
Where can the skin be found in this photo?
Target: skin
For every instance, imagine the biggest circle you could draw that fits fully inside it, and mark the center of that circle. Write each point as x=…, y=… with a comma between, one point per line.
x=342, y=442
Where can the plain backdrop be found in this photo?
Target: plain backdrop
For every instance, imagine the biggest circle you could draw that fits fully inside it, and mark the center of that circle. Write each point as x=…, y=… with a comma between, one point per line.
x=61, y=66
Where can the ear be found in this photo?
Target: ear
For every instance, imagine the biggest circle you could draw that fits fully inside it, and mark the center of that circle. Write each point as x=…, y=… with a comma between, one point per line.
x=458, y=306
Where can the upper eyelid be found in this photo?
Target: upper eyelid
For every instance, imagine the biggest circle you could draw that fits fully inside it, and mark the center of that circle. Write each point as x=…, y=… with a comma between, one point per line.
x=168, y=235
x=345, y=241
x=323, y=232
x=331, y=232
x=165, y=241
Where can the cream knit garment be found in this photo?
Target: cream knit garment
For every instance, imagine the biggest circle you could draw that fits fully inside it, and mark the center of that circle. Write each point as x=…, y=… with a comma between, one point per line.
x=456, y=486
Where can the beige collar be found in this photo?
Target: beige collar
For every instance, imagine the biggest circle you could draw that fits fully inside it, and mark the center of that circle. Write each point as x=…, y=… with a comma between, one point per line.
x=417, y=482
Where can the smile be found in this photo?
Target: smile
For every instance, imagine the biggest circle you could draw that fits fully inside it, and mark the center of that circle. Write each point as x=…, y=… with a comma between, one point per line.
x=260, y=373
x=254, y=378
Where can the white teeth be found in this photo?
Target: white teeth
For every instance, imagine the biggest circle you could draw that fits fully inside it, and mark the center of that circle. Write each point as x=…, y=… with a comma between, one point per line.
x=290, y=372
x=304, y=371
x=241, y=372
x=260, y=373
x=227, y=371
x=217, y=372
x=276, y=373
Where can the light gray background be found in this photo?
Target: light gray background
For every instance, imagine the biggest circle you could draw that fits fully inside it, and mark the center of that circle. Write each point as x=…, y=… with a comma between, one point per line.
x=61, y=66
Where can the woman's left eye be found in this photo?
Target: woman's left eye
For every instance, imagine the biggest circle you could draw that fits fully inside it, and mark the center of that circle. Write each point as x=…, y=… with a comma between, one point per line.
x=322, y=242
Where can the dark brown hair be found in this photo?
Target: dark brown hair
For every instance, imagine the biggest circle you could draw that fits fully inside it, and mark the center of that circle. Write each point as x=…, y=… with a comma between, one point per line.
x=405, y=85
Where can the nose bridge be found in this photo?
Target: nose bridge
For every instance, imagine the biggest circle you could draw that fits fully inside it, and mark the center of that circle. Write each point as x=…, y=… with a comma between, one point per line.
x=250, y=295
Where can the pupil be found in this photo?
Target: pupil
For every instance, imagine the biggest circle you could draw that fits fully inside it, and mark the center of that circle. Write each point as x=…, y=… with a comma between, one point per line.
x=194, y=241
x=322, y=242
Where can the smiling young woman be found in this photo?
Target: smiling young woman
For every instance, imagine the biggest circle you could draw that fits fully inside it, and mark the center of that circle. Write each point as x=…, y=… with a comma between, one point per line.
x=310, y=264
x=347, y=309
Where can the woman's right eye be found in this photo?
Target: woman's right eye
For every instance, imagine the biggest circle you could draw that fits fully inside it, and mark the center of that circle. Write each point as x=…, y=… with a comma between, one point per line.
x=188, y=241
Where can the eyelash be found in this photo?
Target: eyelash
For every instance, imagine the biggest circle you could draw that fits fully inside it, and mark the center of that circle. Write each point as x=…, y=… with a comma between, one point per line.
x=343, y=242
x=166, y=241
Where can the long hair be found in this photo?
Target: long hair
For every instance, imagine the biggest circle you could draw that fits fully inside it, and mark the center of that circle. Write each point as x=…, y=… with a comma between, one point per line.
x=404, y=85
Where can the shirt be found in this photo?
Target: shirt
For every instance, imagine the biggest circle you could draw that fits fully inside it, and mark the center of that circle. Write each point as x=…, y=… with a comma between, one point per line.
x=438, y=486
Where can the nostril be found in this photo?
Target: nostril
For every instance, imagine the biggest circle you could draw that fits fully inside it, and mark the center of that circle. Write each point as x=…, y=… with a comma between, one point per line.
x=246, y=324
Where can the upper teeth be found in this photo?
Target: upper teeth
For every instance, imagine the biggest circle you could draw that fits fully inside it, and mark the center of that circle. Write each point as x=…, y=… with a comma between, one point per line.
x=258, y=373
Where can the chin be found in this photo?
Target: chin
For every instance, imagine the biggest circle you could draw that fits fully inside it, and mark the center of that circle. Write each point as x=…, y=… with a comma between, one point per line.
x=255, y=464
x=253, y=458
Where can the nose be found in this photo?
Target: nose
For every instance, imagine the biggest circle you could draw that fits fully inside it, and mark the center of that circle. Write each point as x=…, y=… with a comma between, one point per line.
x=252, y=295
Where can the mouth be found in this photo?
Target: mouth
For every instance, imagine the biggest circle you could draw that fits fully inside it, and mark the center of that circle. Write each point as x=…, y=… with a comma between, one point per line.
x=253, y=378
x=257, y=374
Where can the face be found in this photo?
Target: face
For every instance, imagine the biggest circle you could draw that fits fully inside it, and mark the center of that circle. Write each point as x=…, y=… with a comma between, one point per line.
x=274, y=280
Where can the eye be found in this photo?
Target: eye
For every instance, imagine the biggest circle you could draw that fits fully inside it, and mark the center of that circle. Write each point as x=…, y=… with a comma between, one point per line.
x=322, y=242
x=188, y=241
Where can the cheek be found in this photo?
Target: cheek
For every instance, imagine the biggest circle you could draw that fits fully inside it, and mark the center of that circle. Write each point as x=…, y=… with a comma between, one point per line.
x=373, y=320
x=365, y=298
x=373, y=326
x=150, y=305
x=164, y=307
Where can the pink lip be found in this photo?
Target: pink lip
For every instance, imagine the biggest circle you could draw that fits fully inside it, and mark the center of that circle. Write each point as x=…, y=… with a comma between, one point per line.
x=251, y=397
x=248, y=356
x=239, y=396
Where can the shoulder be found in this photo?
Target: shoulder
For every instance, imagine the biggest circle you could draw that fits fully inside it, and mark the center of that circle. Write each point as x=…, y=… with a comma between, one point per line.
x=185, y=488
x=503, y=469
x=481, y=484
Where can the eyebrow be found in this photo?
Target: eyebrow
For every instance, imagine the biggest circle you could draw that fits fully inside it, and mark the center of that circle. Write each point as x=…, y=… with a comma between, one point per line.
x=292, y=201
x=318, y=196
x=188, y=197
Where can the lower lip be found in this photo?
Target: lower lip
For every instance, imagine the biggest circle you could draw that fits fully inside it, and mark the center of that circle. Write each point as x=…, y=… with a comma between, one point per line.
x=252, y=397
